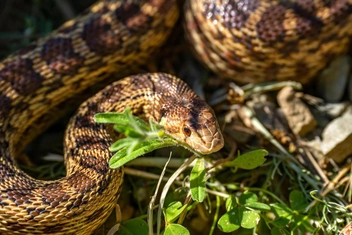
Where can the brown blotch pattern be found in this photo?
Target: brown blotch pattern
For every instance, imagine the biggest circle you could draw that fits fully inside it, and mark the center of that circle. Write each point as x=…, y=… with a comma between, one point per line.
x=340, y=11
x=104, y=184
x=131, y=16
x=95, y=214
x=59, y=55
x=270, y=27
x=82, y=121
x=53, y=229
x=100, y=38
x=95, y=163
x=81, y=183
x=329, y=3
x=5, y=104
x=301, y=69
x=304, y=6
x=308, y=25
x=21, y=75
x=90, y=142
x=53, y=195
x=21, y=196
x=308, y=28
x=33, y=212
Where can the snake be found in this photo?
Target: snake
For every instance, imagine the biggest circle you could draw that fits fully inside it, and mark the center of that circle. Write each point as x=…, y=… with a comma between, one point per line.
x=259, y=40
x=243, y=40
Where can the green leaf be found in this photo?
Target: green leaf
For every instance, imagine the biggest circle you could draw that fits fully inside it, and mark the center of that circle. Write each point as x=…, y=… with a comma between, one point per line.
x=231, y=202
x=297, y=201
x=119, y=118
x=197, y=183
x=121, y=157
x=125, y=123
x=140, y=137
x=283, y=215
x=247, y=197
x=250, y=160
x=175, y=195
x=129, y=131
x=302, y=223
x=173, y=211
x=258, y=206
x=134, y=226
x=230, y=221
x=175, y=229
x=281, y=210
x=120, y=144
x=250, y=219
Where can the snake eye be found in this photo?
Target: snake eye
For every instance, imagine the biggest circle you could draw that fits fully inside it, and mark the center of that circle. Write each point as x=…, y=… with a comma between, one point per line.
x=186, y=131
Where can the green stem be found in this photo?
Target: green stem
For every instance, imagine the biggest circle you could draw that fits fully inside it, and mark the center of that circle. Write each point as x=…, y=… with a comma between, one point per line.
x=216, y=215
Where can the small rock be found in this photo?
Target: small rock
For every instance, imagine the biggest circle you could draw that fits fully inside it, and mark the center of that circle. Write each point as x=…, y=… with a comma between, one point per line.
x=336, y=109
x=299, y=117
x=333, y=80
x=337, y=137
x=325, y=112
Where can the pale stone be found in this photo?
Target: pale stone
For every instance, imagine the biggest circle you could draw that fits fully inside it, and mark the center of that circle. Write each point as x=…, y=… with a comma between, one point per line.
x=337, y=137
x=332, y=81
x=298, y=115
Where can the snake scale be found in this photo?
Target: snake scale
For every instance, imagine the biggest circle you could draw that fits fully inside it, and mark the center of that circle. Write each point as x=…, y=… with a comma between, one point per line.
x=245, y=40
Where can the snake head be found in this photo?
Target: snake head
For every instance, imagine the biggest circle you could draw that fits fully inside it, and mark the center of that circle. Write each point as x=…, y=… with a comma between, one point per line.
x=193, y=123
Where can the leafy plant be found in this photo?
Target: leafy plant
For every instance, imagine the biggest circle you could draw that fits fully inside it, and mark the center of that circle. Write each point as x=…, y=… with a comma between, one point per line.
x=241, y=212
x=142, y=138
x=133, y=226
x=294, y=218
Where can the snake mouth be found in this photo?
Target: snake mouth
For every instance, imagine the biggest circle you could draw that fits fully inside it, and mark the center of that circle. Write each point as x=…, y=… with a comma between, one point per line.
x=201, y=131
x=217, y=143
x=202, y=141
x=206, y=141
x=212, y=146
x=209, y=134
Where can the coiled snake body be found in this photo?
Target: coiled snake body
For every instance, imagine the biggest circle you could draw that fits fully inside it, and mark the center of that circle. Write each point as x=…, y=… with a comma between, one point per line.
x=111, y=37
x=258, y=40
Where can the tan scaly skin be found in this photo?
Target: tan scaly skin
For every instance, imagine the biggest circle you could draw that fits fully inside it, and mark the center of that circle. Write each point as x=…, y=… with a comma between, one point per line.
x=261, y=40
